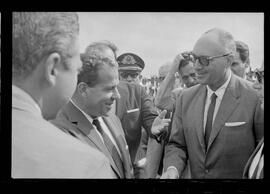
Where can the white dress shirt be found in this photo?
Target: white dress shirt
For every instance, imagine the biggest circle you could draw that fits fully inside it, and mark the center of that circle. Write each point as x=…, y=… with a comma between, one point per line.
x=103, y=125
x=220, y=93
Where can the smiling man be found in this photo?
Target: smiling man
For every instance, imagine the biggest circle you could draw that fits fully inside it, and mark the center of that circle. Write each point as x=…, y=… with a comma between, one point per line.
x=217, y=123
x=87, y=116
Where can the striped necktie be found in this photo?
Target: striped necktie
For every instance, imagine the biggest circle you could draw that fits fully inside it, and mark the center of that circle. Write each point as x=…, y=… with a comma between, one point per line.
x=110, y=146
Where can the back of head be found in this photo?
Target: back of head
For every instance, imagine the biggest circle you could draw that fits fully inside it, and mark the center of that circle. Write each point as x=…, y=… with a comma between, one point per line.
x=36, y=35
x=243, y=51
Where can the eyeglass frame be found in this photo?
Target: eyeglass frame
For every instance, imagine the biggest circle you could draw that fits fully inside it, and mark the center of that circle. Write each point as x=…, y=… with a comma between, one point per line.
x=129, y=74
x=208, y=58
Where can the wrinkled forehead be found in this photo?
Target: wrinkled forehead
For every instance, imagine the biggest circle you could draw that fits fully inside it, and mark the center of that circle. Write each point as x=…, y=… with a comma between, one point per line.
x=208, y=45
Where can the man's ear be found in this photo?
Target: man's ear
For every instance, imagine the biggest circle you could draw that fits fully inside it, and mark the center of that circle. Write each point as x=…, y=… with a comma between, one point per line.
x=82, y=89
x=52, y=67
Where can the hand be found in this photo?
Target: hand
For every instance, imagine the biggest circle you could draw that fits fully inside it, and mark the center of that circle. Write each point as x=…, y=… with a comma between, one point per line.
x=160, y=124
x=171, y=173
x=175, y=63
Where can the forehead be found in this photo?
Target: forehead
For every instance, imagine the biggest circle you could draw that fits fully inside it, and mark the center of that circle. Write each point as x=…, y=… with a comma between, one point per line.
x=107, y=75
x=208, y=45
x=186, y=70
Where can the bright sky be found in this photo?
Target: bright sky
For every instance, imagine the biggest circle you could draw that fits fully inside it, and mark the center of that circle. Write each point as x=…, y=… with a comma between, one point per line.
x=157, y=37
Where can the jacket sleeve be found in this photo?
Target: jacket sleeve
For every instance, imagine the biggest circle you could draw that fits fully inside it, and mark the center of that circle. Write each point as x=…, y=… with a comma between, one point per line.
x=148, y=111
x=176, y=149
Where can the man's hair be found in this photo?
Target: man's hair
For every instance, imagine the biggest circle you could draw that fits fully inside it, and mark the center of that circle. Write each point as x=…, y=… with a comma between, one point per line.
x=243, y=51
x=225, y=38
x=35, y=35
x=93, y=59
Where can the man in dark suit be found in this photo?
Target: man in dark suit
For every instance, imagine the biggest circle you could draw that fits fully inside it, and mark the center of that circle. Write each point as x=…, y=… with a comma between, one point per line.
x=135, y=109
x=217, y=123
x=87, y=116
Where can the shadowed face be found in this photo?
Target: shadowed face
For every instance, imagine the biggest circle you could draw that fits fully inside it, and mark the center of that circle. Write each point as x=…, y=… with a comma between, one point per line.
x=188, y=75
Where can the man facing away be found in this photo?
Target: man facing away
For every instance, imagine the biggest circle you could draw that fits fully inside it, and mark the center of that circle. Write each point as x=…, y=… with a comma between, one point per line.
x=218, y=122
x=88, y=115
x=45, y=62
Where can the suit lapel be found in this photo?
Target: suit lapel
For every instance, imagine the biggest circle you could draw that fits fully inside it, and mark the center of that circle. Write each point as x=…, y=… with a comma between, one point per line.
x=115, y=129
x=228, y=104
x=88, y=132
x=199, y=113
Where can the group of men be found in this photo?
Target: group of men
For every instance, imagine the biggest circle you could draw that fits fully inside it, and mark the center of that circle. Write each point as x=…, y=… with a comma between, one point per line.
x=86, y=116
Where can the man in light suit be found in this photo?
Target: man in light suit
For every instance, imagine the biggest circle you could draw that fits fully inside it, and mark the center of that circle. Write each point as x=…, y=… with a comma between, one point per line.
x=45, y=62
x=218, y=123
x=93, y=99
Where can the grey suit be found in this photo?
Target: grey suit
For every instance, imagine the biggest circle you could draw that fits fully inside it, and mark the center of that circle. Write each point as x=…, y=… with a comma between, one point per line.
x=71, y=120
x=41, y=150
x=229, y=147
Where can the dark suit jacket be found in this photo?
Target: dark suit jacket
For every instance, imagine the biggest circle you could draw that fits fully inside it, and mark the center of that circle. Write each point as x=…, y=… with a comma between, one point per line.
x=229, y=146
x=133, y=96
x=71, y=120
x=246, y=170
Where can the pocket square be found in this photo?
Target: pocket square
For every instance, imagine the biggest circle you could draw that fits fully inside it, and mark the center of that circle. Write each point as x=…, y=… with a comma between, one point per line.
x=233, y=124
x=132, y=110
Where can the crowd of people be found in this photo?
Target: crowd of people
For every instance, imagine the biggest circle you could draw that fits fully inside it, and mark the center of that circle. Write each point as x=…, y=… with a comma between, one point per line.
x=93, y=115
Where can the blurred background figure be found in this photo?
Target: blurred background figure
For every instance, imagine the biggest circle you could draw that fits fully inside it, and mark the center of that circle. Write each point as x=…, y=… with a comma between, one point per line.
x=255, y=165
x=130, y=67
x=135, y=109
x=241, y=63
x=167, y=93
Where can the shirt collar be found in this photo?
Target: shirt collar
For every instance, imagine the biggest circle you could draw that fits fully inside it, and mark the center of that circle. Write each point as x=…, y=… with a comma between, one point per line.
x=86, y=115
x=221, y=90
x=28, y=97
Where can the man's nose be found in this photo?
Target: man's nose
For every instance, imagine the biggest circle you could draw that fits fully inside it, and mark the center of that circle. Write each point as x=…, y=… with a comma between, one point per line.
x=116, y=94
x=129, y=78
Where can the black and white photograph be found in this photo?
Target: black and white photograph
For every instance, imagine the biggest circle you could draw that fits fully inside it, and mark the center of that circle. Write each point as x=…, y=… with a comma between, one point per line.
x=137, y=95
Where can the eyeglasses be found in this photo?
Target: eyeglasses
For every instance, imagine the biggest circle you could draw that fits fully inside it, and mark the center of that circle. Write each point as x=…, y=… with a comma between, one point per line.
x=204, y=60
x=131, y=74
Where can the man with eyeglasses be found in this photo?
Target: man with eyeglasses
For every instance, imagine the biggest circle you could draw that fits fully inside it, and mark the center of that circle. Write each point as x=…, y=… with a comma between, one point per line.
x=217, y=123
x=130, y=67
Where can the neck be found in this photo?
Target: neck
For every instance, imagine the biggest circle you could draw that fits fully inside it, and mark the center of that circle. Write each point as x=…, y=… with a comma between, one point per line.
x=220, y=82
x=31, y=89
x=79, y=101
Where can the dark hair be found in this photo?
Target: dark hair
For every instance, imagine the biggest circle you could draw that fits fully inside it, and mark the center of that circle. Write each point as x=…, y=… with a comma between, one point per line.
x=186, y=60
x=93, y=59
x=243, y=51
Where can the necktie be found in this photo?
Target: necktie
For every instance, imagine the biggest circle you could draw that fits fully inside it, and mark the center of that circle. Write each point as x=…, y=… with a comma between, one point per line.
x=209, y=121
x=110, y=146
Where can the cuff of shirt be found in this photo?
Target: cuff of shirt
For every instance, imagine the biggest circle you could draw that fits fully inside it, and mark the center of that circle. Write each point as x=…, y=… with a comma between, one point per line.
x=175, y=169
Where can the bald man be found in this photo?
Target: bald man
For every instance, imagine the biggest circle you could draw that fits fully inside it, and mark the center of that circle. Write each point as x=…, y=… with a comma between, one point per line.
x=217, y=123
